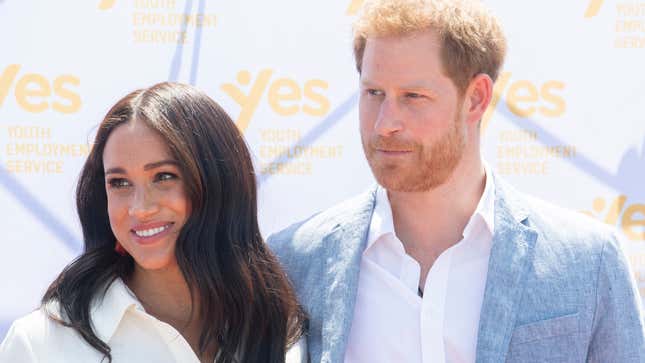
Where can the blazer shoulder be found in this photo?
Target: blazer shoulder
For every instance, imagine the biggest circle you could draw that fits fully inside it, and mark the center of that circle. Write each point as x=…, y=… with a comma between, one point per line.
x=552, y=221
x=305, y=239
x=575, y=228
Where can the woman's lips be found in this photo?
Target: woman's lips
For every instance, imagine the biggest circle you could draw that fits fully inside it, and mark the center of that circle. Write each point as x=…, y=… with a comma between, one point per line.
x=151, y=232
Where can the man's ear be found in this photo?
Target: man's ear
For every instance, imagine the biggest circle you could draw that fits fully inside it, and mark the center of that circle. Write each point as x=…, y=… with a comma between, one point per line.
x=477, y=97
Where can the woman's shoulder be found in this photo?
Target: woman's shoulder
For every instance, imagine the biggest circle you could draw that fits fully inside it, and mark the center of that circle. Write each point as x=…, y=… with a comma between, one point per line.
x=26, y=336
x=36, y=324
x=298, y=352
x=37, y=335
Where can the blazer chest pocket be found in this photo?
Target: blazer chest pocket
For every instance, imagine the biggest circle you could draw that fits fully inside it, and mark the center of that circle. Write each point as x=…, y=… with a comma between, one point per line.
x=553, y=341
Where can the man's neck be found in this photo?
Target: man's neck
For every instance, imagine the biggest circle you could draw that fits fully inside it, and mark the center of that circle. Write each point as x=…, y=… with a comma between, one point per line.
x=430, y=222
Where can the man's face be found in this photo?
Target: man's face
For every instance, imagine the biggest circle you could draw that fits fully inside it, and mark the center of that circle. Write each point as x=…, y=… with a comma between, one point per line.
x=412, y=127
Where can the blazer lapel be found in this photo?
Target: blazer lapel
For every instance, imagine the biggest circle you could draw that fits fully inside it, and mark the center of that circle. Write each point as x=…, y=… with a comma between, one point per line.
x=345, y=245
x=511, y=254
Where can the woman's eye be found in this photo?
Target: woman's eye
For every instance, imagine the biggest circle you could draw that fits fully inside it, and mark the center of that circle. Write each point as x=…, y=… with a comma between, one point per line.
x=374, y=92
x=118, y=183
x=165, y=176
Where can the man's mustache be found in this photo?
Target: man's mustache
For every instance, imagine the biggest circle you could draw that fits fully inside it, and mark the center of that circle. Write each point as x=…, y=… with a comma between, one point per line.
x=392, y=143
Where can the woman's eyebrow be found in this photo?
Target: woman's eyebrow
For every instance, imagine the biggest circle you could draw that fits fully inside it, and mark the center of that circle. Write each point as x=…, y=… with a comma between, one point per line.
x=156, y=164
x=161, y=163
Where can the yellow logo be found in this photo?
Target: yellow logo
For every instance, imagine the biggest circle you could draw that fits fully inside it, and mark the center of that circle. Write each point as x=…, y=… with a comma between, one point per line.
x=354, y=7
x=106, y=4
x=593, y=8
x=525, y=99
x=629, y=218
x=284, y=96
x=34, y=92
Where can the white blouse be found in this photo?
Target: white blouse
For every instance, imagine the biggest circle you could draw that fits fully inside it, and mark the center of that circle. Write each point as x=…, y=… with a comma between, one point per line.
x=120, y=321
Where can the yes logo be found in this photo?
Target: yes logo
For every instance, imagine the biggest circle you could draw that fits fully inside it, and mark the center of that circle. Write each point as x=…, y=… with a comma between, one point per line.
x=525, y=99
x=284, y=96
x=593, y=8
x=33, y=91
x=354, y=7
x=106, y=4
x=631, y=217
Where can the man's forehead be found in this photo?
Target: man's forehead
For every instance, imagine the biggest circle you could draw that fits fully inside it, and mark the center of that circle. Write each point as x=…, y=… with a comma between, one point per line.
x=407, y=64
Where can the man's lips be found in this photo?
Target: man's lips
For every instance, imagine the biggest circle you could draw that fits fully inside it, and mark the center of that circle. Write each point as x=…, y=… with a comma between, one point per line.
x=393, y=152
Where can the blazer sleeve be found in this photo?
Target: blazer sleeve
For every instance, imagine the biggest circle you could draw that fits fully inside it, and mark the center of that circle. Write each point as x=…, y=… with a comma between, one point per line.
x=618, y=327
x=16, y=346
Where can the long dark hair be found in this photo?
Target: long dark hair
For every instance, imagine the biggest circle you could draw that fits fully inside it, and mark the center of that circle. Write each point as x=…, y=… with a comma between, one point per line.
x=248, y=308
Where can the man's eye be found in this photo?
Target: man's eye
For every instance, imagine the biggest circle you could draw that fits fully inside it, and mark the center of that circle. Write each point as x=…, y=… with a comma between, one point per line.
x=118, y=183
x=413, y=95
x=165, y=176
x=374, y=92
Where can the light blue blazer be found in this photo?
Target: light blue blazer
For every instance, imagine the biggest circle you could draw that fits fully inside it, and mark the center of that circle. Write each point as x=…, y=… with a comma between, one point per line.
x=558, y=286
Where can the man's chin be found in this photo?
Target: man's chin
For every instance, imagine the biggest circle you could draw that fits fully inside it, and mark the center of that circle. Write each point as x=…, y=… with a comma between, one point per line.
x=396, y=182
x=406, y=183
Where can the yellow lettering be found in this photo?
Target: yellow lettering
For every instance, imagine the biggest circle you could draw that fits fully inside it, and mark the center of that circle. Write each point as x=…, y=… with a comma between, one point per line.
x=522, y=91
x=558, y=102
x=593, y=8
x=73, y=98
x=24, y=92
x=296, y=168
x=634, y=228
x=280, y=135
x=249, y=103
x=29, y=132
x=35, y=166
x=6, y=80
x=106, y=4
x=615, y=209
x=276, y=96
x=322, y=101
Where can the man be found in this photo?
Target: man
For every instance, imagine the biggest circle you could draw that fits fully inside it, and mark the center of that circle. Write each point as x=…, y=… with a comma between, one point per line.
x=443, y=261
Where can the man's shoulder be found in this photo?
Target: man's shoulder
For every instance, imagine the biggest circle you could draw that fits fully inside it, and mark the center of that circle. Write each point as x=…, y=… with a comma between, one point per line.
x=306, y=237
x=561, y=226
x=574, y=228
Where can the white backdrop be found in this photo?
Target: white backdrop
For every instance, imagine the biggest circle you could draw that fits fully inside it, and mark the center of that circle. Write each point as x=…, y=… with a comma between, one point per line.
x=566, y=125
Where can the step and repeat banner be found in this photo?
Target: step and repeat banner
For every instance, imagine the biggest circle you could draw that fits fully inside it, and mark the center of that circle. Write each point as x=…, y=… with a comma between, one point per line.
x=566, y=123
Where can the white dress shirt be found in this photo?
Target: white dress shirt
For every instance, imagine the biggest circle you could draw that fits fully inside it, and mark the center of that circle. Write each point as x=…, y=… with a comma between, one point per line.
x=391, y=322
x=120, y=321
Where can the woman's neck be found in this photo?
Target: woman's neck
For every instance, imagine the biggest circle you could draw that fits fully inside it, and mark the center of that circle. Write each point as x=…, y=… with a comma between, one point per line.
x=165, y=294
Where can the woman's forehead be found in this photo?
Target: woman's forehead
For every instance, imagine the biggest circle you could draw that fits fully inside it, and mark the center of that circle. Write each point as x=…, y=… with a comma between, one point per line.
x=135, y=143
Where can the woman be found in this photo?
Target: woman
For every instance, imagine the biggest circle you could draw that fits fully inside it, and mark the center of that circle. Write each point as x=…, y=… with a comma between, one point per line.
x=174, y=267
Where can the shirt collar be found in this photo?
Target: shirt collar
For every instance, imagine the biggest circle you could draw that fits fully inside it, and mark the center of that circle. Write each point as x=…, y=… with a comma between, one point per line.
x=382, y=221
x=486, y=206
x=108, y=312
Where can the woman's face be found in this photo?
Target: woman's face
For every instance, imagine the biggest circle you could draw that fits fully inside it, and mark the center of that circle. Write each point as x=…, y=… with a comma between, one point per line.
x=147, y=203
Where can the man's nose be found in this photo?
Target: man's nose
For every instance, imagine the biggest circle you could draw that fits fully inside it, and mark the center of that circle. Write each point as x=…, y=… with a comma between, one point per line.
x=389, y=117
